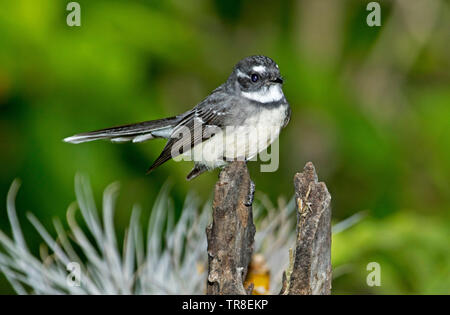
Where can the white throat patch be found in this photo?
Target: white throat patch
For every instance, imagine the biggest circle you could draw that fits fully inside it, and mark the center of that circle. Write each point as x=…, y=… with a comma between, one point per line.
x=266, y=95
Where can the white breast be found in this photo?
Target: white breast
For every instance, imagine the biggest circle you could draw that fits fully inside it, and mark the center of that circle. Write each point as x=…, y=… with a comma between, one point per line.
x=241, y=142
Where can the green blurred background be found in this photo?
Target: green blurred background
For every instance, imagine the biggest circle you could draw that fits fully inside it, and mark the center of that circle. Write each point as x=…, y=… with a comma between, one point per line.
x=370, y=108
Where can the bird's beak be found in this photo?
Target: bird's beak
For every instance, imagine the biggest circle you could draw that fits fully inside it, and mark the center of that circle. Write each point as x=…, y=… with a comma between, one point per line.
x=277, y=80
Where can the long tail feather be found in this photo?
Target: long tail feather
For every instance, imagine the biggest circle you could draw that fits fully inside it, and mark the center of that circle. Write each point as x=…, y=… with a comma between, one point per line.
x=139, y=132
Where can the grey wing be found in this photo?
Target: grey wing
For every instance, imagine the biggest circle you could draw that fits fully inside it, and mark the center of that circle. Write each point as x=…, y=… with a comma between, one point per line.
x=198, y=125
x=288, y=116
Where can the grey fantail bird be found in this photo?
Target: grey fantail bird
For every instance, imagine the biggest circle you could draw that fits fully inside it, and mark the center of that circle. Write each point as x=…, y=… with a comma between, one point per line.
x=249, y=105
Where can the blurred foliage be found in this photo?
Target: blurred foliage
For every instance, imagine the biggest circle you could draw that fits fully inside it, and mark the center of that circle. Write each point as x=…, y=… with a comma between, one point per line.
x=371, y=109
x=412, y=251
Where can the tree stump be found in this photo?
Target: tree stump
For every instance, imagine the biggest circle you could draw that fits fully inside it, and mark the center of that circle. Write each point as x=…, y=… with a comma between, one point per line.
x=231, y=234
x=311, y=269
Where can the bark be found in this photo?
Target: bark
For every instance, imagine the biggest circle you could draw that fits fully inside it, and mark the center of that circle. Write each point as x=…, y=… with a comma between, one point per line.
x=231, y=234
x=310, y=270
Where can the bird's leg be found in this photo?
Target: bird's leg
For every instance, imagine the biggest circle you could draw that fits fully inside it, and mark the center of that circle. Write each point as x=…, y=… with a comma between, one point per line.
x=197, y=170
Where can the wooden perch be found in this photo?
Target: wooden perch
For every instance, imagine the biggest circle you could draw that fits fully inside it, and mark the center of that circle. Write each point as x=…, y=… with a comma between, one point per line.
x=310, y=272
x=231, y=234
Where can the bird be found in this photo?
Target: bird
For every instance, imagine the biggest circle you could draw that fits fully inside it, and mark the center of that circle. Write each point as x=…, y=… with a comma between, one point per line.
x=236, y=121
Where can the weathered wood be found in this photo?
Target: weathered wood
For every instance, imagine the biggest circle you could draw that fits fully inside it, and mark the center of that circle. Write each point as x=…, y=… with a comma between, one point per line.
x=231, y=234
x=310, y=272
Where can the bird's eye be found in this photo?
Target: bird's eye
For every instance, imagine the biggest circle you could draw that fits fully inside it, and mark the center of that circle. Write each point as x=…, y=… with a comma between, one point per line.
x=255, y=77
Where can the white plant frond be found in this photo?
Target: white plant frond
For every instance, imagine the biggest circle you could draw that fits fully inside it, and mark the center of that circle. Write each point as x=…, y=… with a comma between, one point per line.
x=171, y=260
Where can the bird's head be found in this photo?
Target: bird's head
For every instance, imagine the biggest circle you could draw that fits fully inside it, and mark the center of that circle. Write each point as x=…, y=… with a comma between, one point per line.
x=258, y=78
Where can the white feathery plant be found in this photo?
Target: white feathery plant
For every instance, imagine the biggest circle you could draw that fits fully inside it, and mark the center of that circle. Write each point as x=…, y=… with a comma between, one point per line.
x=173, y=259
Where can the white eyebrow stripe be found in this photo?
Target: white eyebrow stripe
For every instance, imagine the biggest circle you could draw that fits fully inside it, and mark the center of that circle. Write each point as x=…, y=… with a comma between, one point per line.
x=242, y=74
x=259, y=69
